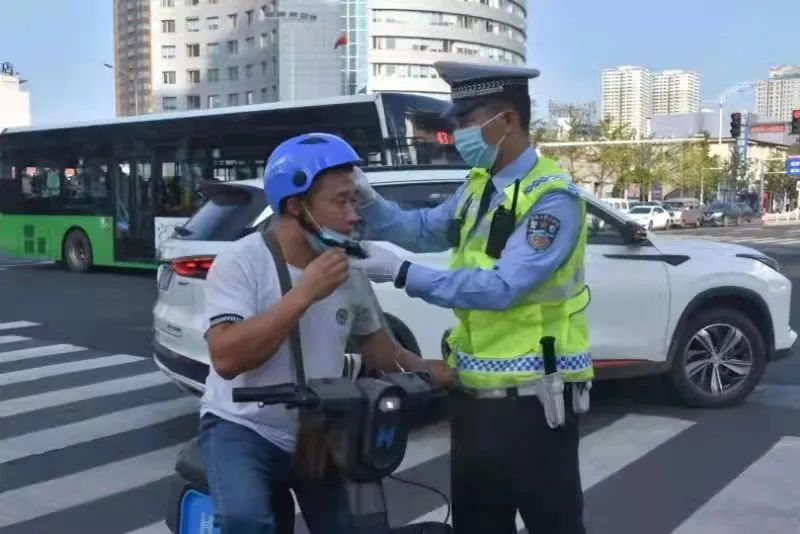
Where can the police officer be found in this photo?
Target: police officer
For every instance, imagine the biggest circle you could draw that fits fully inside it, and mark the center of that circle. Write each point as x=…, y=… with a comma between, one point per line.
x=517, y=227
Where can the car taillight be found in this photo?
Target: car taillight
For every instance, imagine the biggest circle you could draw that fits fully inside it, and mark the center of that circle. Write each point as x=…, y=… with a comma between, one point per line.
x=192, y=267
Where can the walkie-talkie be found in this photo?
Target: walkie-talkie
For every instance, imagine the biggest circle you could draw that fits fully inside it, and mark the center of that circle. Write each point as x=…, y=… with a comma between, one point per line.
x=549, y=354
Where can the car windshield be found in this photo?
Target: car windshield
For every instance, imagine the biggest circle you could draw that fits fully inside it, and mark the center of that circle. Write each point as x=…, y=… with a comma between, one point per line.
x=642, y=209
x=717, y=206
x=674, y=205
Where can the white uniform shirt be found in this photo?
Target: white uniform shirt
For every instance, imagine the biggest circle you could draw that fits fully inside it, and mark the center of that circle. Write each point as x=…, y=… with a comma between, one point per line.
x=243, y=283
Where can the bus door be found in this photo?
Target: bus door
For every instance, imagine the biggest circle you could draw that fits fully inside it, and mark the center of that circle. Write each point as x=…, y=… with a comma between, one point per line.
x=134, y=230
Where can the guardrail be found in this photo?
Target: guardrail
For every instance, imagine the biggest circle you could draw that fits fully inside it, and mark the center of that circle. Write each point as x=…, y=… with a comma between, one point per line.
x=784, y=217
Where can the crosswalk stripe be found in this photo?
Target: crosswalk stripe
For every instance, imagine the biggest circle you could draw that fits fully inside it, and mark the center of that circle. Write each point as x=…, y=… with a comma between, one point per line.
x=13, y=339
x=38, y=352
x=17, y=324
x=609, y=449
x=155, y=528
x=22, y=405
x=763, y=498
x=73, y=490
x=53, y=438
x=624, y=441
x=63, y=368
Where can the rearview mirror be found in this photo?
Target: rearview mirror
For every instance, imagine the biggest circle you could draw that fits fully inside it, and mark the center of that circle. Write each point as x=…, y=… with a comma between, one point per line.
x=633, y=233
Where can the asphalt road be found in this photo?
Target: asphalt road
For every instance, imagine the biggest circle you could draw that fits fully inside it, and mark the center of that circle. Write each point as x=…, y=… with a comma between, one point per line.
x=89, y=429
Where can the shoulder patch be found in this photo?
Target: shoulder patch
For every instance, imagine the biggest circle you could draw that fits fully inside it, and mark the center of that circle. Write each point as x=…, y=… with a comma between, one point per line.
x=542, y=230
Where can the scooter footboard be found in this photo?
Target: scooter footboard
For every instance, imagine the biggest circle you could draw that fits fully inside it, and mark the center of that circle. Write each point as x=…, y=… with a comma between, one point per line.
x=189, y=511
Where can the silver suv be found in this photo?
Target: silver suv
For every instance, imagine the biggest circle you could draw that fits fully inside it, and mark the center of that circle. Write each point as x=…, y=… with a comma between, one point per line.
x=684, y=212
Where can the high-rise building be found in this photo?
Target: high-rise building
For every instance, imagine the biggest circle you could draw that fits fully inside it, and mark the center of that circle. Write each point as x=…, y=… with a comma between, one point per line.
x=675, y=92
x=627, y=97
x=777, y=96
x=192, y=54
x=403, y=39
x=15, y=104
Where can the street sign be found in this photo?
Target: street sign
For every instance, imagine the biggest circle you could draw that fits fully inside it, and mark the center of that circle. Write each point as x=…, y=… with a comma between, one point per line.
x=793, y=166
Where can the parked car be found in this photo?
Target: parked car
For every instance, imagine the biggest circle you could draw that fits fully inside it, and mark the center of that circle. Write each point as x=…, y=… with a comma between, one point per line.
x=716, y=313
x=722, y=214
x=619, y=204
x=651, y=217
x=684, y=212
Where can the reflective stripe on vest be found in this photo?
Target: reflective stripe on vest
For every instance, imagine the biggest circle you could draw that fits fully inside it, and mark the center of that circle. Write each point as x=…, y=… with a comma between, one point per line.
x=501, y=348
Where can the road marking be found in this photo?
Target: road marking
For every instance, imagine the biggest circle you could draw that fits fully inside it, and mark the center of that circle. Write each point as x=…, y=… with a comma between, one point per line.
x=607, y=450
x=13, y=339
x=155, y=528
x=426, y=444
x=38, y=352
x=40, y=401
x=624, y=441
x=58, y=437
x=17, y=324
x=64, y=368
x=59, y=494
x=763, y=498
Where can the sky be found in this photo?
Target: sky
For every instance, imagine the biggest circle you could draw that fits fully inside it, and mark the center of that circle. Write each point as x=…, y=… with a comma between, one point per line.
x=60, y=46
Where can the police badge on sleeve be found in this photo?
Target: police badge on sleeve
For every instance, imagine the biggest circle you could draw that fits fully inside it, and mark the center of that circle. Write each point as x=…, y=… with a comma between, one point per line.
x=542, y=230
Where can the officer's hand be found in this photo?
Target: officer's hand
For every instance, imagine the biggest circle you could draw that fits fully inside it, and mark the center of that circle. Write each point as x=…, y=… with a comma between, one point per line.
x=365, y=194
x=442, y=375
x=381, y=264
x=322, y=276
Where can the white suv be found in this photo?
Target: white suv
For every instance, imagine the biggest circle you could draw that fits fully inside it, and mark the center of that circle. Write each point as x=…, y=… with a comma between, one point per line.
x=708, y=315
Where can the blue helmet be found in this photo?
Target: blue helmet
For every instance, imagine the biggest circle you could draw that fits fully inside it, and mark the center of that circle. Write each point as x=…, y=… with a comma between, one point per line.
x=294, y=165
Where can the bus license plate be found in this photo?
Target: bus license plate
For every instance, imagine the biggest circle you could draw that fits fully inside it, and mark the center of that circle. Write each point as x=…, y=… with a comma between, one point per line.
x=165, y=278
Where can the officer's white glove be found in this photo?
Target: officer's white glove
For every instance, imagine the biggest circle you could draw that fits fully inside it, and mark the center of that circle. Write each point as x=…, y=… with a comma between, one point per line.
x=381, y=264
x=365, y=194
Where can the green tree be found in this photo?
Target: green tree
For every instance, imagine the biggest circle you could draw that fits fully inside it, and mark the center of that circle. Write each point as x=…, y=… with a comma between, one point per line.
x=781, y=188
x=609, y=160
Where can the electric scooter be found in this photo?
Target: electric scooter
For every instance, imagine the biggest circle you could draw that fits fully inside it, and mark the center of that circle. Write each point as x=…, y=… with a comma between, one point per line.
x=368, y=418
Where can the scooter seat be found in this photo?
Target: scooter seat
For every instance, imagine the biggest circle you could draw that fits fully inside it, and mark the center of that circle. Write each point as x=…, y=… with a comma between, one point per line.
x=191, y=467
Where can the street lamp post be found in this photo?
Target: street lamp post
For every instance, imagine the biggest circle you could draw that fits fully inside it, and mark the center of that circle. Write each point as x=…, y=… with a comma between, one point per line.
x=135, y=87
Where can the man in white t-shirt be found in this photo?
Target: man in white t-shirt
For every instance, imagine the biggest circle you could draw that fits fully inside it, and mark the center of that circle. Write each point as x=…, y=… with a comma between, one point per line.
x=248, y=450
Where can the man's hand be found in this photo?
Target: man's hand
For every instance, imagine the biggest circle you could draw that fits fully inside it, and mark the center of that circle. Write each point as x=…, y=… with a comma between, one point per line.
x=322, y=276
x=381, y=265
x=365, y=194
x=442, y=375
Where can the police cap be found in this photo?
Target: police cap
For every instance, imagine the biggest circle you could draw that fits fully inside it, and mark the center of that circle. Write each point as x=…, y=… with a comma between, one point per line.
x=472, y=84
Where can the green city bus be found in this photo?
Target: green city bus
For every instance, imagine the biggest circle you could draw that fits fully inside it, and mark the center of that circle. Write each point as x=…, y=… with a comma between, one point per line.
x=106, y=193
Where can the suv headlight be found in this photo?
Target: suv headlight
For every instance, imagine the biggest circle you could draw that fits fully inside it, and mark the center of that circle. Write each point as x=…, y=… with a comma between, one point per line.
x=772, y=263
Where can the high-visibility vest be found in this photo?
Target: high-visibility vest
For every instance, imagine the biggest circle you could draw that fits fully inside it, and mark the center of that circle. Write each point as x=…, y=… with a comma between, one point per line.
x=496, y=349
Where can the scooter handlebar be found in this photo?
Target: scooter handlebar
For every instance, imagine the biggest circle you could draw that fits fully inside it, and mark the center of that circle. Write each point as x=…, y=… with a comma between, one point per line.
x=287, y=394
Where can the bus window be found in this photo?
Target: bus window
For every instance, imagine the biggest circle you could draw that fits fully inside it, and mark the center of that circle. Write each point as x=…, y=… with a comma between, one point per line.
x=420, y=136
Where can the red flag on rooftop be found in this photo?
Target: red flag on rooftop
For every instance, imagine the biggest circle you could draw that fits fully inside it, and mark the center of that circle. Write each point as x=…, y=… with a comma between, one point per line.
x=341, y=41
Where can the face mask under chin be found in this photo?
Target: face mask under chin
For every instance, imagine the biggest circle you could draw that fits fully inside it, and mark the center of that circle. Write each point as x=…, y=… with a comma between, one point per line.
x=324, y=238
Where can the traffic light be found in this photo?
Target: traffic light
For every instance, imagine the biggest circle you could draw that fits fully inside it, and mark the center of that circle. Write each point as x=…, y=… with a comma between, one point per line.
x=736, y=125
x=795, y=122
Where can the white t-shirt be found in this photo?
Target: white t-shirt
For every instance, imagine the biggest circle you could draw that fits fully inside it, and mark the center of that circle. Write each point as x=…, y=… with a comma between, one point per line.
x=243, y=283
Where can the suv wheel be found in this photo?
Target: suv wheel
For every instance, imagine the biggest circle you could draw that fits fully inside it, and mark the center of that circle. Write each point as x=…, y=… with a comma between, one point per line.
x=718, y=359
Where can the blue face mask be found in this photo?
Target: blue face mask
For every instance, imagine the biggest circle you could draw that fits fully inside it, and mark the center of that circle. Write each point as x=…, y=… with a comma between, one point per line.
x=325, y=238
x=473, y=149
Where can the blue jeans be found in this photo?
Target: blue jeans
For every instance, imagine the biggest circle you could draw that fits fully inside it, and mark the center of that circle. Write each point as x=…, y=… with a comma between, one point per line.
x=249, y=478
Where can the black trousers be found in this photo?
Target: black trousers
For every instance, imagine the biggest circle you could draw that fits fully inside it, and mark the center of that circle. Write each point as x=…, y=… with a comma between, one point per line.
x=504, y=459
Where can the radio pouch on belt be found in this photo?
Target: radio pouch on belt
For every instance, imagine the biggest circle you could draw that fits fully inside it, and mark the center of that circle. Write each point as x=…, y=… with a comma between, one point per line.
x=311, y=450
